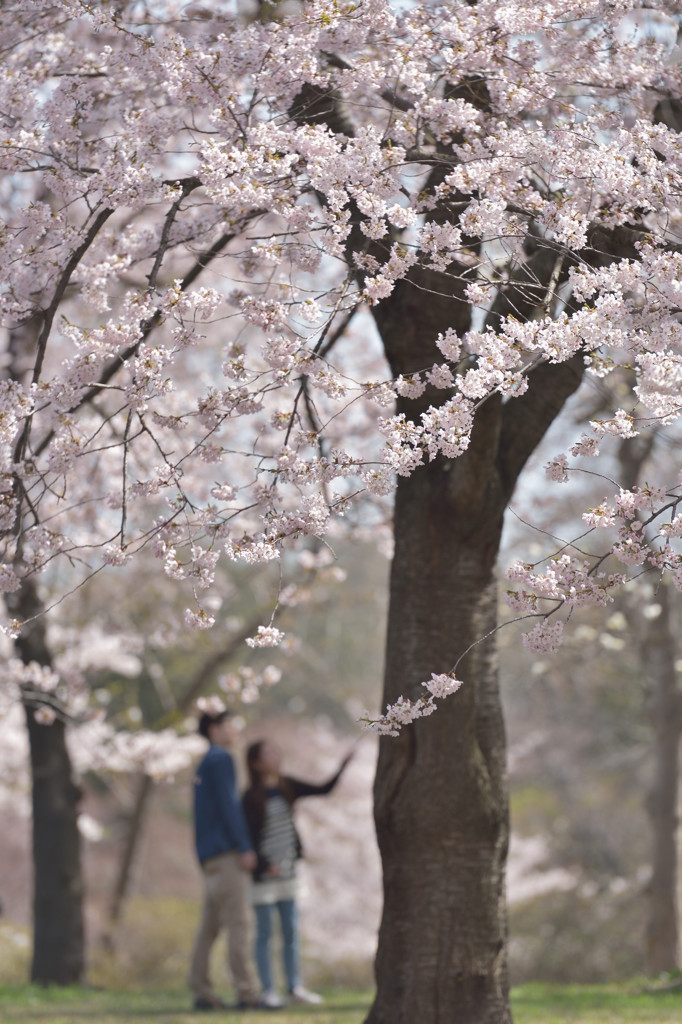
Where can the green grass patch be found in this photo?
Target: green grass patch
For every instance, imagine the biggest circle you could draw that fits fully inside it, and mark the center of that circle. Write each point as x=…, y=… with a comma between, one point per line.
x=533, y=1004
x=30, y=1004
x=597, y=1004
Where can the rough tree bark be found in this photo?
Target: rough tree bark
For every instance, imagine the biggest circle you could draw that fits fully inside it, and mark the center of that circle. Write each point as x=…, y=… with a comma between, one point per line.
x=440, y=793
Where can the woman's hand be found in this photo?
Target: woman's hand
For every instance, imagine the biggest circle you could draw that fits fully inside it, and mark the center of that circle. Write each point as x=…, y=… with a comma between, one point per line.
x=350, y=755
x=248, y=861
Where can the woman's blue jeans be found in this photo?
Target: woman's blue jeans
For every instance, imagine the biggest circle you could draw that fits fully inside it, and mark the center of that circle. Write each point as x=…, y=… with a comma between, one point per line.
x=288, y=918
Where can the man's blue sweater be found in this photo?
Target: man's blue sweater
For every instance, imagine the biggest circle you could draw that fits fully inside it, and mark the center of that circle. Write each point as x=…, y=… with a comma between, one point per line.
x=219, y=820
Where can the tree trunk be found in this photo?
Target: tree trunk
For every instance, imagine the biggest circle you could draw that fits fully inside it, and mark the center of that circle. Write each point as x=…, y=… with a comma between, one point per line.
x=658, y=655
x=58, y=941
x=662, y=936
x=441, y=806
x=58, y=937
x=143, y=792
x=440, y=794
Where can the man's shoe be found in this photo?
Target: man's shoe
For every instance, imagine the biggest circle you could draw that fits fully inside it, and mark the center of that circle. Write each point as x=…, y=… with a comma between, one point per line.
x=304, y=995
x=209, y=1003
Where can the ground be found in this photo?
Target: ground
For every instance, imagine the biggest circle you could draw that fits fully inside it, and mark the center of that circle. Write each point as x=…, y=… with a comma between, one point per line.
x=635, y=1003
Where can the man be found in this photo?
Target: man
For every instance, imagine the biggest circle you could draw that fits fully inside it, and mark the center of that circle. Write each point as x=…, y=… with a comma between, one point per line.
x=226, y=857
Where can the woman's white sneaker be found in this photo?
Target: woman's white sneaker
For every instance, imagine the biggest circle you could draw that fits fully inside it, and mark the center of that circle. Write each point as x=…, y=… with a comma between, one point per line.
x=304, y=995
x=271, y=1000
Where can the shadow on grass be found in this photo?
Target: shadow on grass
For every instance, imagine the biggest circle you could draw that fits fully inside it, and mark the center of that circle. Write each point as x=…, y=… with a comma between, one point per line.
x=29, y=1004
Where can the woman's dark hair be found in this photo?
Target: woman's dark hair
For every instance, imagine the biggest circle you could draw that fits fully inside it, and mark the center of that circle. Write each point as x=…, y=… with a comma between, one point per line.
x=207, y=720
x=253, y=753
x=256, y=785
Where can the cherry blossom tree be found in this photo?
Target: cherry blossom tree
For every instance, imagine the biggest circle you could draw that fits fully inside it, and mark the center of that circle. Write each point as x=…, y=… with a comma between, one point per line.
x=210, y=221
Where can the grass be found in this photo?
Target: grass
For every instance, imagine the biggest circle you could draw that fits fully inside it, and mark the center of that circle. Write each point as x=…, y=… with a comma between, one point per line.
x=548, y=1004
x=29, y=1004
x=597, y=1004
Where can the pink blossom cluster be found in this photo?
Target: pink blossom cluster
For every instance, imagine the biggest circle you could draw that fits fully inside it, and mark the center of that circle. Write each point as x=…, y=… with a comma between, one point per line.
x=404, y=710
x=246, y=684
x=93, y=744
x=266, y=636
x=96, y=744
x=545, y=637
x=191, y=247
x=566, y=581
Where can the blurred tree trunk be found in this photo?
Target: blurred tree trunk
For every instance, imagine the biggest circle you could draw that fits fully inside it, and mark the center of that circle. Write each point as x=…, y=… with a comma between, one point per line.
x=144, y=784
x=665, y=906
x=678, y=891
x=58, y=935
x=659, y=656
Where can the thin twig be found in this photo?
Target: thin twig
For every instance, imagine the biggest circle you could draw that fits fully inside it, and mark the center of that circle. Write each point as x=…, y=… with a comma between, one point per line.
x=124, y=502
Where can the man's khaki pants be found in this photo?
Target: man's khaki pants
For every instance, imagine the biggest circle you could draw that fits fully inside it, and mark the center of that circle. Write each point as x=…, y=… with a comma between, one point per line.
x=225, y=906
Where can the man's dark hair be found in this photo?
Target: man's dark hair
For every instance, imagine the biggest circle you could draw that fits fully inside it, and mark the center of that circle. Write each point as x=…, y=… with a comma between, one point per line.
x=207, y=720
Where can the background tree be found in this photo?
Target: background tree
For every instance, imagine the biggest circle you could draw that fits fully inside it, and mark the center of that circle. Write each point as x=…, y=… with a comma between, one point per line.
x=648, y=607
x=58, y=925
x=658, y=656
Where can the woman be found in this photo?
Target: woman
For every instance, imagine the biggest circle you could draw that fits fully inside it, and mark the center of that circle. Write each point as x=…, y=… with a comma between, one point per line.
x=268, y=804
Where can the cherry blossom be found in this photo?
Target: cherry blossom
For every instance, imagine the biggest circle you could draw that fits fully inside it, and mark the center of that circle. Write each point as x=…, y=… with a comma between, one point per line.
x=405, y=710
x=267, y=636
x=189, y=245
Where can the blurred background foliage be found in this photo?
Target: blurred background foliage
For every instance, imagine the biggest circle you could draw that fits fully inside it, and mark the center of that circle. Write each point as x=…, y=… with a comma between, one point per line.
x=580, y=756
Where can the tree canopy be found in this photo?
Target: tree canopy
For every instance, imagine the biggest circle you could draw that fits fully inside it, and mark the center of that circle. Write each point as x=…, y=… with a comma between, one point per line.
x=200, y=210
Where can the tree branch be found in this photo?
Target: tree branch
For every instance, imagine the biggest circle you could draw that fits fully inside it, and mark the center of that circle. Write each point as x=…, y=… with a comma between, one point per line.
x=203, y=260
x=49, y=315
